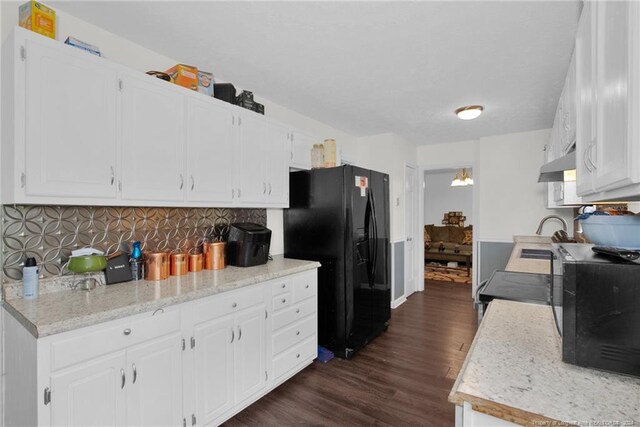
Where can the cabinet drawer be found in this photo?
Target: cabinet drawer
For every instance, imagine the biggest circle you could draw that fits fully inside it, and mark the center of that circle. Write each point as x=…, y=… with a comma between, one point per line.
x=294, y=313
x=294, y=334
x=281, y=301
x=295, y=357
x=86, y=343
x=229, y=302
x=281, y=286
x=305, y=286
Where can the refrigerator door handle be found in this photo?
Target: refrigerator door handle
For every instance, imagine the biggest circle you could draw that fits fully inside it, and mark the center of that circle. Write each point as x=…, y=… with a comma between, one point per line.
x=368, y=222
x=375, y=240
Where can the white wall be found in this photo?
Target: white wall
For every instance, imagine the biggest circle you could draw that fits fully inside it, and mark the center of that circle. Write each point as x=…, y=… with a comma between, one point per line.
x=389, y=153
x=142, y=59
x=441, y=197
x=509, y=200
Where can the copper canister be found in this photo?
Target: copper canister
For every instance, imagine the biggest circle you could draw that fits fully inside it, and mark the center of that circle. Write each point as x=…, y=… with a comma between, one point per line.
x=214, y=255
x=179, y=266
x=156, y=265
x=195, y=262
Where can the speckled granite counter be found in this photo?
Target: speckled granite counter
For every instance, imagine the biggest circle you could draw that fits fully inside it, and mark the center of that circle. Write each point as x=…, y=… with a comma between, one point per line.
x=63, y=311
x=514, y=371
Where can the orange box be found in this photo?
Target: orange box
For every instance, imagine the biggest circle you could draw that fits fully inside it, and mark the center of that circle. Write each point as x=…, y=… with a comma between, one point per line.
x=184, y=75
x=37, y=17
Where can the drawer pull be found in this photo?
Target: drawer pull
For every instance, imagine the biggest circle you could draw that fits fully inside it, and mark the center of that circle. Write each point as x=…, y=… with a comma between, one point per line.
x=284, y=286
x=297, y=311
x=307, y=287
x=234, y=305
x=284, y=300
x=297, y=332
x=298, y=356
x=158, y=311
x=127, y=331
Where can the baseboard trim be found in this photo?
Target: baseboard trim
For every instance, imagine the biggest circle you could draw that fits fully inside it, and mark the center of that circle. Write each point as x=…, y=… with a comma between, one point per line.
x=395, y=304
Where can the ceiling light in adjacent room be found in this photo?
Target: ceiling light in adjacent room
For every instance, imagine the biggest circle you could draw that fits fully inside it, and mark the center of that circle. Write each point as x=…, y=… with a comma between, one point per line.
x=469, y=112
x=462, y=179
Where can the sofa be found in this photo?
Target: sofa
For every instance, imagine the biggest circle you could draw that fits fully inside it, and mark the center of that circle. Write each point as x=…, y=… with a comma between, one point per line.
x=455, y=241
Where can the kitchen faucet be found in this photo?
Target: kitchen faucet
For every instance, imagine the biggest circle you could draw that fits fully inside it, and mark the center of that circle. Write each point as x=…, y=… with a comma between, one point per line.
x=548, y=217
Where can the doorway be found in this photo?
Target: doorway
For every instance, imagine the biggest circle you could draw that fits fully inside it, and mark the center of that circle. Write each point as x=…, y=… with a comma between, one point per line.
x=410, y=196
x=448, y=226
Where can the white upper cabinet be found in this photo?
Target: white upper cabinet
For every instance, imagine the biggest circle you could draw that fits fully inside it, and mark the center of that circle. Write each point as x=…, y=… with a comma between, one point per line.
x=153, y=126
x=608, y=98
x=301, y=145
x=277, y=165
x=210, y=161
x=252, y=186
x=59, y=120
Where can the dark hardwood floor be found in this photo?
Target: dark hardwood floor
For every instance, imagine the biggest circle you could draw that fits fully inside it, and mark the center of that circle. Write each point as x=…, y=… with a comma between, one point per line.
x=403, y=377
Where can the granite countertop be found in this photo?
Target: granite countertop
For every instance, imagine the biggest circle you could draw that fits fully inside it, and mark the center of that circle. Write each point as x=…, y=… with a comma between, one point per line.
x=66, y=310
x=514, y=371
x=528, y=265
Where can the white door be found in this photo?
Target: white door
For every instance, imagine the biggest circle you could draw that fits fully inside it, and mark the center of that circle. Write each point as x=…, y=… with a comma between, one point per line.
x=585, y=106
x=612, y=81
x=90, y=394
x=209, y=152
x=277, y=165
x=410, y=208
x=70, y=124
x=153, y=123
x=250, y=352
x=213, y=373
x=250, y=167
x=154, y=382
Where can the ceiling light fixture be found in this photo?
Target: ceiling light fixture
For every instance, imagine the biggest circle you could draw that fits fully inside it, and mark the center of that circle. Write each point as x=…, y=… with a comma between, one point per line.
x=469, y=112
x=462, y=179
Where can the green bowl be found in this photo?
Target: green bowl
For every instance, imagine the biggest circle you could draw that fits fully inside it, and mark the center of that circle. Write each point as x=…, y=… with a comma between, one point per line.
x=87, y=263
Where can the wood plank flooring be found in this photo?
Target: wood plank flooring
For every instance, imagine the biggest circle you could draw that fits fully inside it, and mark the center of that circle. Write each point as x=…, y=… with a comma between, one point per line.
x=403, y=377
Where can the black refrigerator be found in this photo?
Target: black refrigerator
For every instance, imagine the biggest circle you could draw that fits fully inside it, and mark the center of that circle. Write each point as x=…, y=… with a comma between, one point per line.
x=340, y=217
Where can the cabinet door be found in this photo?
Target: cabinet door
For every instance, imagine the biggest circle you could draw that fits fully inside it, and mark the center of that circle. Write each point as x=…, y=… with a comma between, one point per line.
x=277, y=165
x=209, y=152
x=152, y=116
x=569, y=100
x=301, y=145
x=611, y=156
x=585, y=105
x=154, y=389
x=90, y=394
x=214, y=373
x=70, y=101
x=251, y=162
x=250, y=352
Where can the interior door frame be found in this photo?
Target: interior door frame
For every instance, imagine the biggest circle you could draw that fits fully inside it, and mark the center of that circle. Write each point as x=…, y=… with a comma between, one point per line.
x=474, y=209
x=414, y=238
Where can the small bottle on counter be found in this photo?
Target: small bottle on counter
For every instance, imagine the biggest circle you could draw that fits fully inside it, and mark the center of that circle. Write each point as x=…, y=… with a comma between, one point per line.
x=30, y=281
x=135, y=261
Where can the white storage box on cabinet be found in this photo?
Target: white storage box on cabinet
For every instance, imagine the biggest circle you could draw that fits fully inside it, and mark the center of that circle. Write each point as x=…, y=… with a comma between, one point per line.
x=294, y=326
x=135, y=381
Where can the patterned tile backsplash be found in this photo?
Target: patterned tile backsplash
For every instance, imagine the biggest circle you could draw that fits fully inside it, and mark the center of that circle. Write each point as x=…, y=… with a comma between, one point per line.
x=49, y=233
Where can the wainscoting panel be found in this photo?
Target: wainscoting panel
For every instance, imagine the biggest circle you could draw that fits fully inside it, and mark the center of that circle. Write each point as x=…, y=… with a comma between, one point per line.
x=49, y=233
x=398, y=270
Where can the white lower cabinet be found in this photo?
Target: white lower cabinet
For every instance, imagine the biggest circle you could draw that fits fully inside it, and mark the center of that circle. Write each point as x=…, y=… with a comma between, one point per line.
x=195, y=363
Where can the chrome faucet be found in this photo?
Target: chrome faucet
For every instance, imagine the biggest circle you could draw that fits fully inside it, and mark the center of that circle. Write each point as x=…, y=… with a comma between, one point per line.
x=548, y=217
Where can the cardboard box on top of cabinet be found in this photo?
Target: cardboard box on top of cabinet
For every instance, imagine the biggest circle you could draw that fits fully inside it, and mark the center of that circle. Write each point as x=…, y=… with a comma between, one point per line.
x=205, y=83
x=184, y=75
x=37, y=17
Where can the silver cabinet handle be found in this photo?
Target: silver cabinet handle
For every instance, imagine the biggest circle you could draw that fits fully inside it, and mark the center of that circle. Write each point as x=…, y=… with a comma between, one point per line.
x=269, y=188
x=113, y=175
x=233, y=335
x=239, y=333
x=193, y=183
x=239, y=193
x=127, y=331
x=123, y=378
x=120, y=186
x=590, y=157
x=298, y=311
x=233, y=193
x=234, y=305
x=181, y=182
x=135, y=374
x=284, y=285
x=298, y=356
x=284, y=300
x=297, y=333
x=264, y=188
x=306, y=287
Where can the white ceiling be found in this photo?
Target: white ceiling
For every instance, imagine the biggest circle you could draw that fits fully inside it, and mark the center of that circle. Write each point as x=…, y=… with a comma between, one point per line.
x=370, y=67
